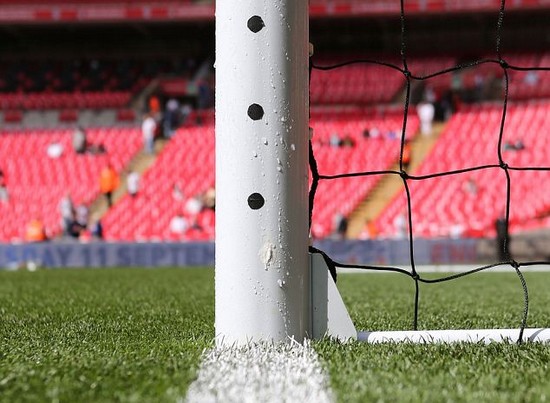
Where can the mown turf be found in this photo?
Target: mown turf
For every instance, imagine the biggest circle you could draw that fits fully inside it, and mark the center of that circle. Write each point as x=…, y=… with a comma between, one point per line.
x=460, y=372
x=103, y=335
x=137, y=335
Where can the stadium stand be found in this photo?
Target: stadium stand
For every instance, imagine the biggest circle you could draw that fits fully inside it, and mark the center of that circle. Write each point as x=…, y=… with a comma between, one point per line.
x=147, y=217
x=188, y=160
x=36, y=182
x=444, y=207
x=345, y=102
x=373, y=153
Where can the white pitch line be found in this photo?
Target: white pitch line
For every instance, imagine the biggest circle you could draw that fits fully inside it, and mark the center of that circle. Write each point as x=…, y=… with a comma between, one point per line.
x=503, y=268
x=261, y=373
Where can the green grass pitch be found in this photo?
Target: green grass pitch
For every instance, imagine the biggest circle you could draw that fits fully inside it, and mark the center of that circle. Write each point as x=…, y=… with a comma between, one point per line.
x=137, y=335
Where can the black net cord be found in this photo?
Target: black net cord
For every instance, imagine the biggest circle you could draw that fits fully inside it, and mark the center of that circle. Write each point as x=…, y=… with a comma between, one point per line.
x=406, y=177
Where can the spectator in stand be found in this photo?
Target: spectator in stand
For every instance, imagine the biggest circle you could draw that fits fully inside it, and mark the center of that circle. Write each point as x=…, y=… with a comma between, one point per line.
x=36, y=231
x=3, y=187
x=210, y=198
x=171, y=117
x=154, y=107
x=96, y=149
x=193, y=207
x=400, y=224
x=66, y=209
x=186, y=111
x=426, y=113
x=531, y=78
x=148, y=129
x=79, y=140
x=81, y=215
x=444, y=106
x=407, y=155
x=75, y=229
x=429, y=94
x=132, y=183
x=108, y=182
x=392, y=135
x=95, y=227
x=178, y=225
x=204, y=94
x=340, y=226
x=348, y=141
x=514, y=146
x=335, y=140
x=519, y=145
x=370, y=231
x=55, y=150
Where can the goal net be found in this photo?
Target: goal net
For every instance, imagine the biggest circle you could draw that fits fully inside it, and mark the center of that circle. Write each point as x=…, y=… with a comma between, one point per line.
x=450, y=185
x=267, y=286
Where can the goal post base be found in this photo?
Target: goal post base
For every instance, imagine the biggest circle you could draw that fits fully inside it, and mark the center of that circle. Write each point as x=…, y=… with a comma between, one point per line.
x=329, y=315
x=330, y=318
x=482, y=336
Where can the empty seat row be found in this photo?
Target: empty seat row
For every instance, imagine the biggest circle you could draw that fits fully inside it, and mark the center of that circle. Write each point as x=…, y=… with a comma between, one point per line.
x=91, y=100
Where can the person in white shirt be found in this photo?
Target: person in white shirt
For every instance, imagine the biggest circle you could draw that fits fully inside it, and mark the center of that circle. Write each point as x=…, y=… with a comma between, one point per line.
x=426, y=113
x=79, y=141
x=148, y=128
x=66, y=209
x=132, y=183
x=178, y=225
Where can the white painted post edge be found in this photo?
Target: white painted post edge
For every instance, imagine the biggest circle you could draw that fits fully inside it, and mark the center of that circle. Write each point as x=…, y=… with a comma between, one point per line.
x=262, y=269
x=454, y=336
x=330, y=317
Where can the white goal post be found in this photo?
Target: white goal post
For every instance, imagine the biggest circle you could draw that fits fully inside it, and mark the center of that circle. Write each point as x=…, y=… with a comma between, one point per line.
x=262, y=276
x=268, y=288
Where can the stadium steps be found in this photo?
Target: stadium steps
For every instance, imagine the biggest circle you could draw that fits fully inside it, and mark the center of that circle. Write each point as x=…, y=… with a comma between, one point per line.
x=384, y=192
x=139, y=163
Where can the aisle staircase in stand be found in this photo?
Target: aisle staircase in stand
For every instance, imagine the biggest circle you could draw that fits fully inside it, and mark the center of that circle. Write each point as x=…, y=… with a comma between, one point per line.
x=139, y=163
x=390, y=185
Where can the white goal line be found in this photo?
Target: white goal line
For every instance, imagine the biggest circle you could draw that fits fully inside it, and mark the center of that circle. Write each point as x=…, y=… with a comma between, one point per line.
x=483, y=336
x=503, y=268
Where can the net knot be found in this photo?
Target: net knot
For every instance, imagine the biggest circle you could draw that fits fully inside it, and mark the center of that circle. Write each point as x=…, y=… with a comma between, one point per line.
x=503, y=165
x=503, y=63
x=407, y=73
x=415, y=276
x=404, y=174
x=514, y=264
